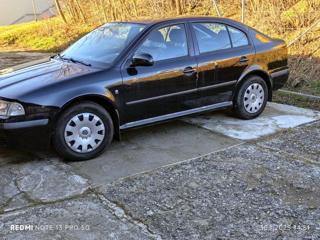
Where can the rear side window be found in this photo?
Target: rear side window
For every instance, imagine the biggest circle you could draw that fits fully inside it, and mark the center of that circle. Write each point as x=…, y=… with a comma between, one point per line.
x=211, y=36
x=238, y=37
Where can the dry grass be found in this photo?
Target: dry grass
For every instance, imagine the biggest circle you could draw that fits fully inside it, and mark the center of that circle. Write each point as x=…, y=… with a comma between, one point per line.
x=283, y=19
x=47, y=35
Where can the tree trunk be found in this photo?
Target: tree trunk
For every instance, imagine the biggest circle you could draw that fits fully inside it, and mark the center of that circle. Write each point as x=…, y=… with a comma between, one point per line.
x=135, y=8
x=172, y=4
x=58, y=6
x=243, y=6
x=104, y=10
x=73, y=10
x=217, y=8
x=80, y=11
x=178, y=7
x=113, y=10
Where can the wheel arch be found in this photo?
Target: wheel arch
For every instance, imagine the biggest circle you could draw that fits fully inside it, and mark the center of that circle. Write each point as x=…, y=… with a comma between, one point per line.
x=102, y=101
x=256, y=72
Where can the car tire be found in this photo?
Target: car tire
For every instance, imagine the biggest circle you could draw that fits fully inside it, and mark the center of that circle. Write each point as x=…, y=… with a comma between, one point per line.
x=83, y=132
x=251, y=98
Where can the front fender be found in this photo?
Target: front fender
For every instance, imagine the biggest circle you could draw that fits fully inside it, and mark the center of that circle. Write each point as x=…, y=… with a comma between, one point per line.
x=87, y=92
x=106, y=99
x=60, y=93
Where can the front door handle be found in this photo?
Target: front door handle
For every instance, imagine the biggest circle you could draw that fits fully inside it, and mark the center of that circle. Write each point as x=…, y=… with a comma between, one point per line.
x=243, y=59
x=189, y=70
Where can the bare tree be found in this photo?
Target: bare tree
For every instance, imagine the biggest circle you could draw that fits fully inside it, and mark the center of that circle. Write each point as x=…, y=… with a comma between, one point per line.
x=217, y=7
x=80, y=10
x=105, y=16
x=113, y=9
x=34, y=11
x=178, y=7
x=135, y=8
x=243, y=9
x=58, y=6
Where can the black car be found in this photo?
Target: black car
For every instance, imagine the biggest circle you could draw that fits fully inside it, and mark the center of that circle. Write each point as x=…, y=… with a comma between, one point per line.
x=129, y=74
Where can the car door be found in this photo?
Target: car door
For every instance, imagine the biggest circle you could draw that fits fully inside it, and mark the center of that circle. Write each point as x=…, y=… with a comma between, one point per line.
x=223, y=53
x=169, y=85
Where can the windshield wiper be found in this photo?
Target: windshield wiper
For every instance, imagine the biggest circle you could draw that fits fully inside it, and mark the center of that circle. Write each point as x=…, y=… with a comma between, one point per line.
x=73, y=60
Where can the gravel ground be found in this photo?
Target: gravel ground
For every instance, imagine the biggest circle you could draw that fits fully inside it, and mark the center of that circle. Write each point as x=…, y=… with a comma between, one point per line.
x=304, y=141
x=240, y=193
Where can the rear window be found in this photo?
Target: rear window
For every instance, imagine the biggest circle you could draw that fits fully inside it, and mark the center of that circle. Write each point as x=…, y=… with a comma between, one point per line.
x=211, y=36
x=238, y=37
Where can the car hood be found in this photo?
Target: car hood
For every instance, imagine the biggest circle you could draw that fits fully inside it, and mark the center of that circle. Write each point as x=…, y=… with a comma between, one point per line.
x=22, y=79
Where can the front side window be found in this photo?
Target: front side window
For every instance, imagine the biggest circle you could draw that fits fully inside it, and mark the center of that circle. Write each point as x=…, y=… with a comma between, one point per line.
x=238, y=37
x=166, y=43
x=211, y=36
x=104, y=44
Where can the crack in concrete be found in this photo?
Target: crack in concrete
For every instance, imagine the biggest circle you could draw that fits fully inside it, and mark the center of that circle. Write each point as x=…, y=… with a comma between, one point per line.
x=119, y=210
x=35, y=203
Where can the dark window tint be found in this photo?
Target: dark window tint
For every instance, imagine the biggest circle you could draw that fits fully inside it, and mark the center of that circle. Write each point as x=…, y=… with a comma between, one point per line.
x=238, y=37
x=166, y=43
x=211, y=36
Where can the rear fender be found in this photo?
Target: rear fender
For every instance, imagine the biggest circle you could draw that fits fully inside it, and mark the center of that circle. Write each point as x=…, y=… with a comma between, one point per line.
x=259, y=71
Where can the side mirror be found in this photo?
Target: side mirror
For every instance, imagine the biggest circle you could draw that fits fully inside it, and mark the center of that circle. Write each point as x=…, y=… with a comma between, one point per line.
x=142, y=59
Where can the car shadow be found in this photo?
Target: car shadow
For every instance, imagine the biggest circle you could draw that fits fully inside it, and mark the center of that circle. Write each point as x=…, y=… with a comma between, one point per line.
x=15, y=154
x=18, y=155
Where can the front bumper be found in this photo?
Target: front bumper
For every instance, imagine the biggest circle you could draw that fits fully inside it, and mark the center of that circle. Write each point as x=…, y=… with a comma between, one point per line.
x=24, y=124
x=33, y=134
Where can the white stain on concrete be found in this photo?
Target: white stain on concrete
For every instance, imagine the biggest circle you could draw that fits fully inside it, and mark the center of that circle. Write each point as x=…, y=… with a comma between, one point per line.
x=274, y=118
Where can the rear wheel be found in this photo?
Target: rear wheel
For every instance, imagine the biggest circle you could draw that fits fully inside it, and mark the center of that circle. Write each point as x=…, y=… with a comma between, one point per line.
x=251, y=98
x=83, y=131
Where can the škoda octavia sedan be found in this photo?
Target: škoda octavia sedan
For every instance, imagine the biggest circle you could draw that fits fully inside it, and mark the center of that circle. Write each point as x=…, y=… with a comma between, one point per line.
x=130, y=74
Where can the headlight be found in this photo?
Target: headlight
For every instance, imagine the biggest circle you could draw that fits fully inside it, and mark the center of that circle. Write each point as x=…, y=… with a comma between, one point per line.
x=10, y=109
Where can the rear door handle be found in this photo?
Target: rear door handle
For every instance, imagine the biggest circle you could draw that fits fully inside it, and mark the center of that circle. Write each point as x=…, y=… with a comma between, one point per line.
x=189, y=70
x=243, y=59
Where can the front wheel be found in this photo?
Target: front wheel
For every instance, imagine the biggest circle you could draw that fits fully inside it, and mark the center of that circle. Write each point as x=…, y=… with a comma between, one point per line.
x=83, y=131
x=251, y=98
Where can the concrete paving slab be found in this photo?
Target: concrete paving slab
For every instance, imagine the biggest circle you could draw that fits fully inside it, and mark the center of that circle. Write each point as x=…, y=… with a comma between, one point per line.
x=302, y=141
x=82, y=218
x=151, y=147
x=27, y=181
x=245, y=192
x=275, y=118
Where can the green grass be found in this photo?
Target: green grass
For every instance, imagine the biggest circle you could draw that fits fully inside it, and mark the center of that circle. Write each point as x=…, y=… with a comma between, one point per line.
x=312, y=88
x=295, y=100
x=49, y=35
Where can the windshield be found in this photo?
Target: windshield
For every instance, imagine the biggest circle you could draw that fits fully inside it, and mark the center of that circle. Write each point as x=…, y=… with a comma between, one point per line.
x=104, y=44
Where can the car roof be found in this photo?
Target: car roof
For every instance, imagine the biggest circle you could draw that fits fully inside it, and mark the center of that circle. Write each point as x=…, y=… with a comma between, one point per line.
x=185, y=19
